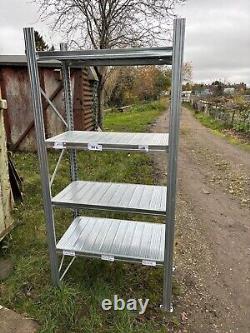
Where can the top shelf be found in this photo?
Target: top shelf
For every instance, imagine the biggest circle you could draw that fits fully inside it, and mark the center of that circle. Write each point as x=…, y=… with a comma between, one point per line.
x=88, y=140
x=114, y=57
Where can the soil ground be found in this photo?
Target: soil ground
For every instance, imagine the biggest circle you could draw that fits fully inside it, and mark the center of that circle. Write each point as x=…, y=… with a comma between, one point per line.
x=12, y=322
x=212, y=230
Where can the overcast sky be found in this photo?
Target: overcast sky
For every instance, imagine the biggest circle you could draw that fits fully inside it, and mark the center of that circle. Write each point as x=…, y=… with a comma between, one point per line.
x=217, y=35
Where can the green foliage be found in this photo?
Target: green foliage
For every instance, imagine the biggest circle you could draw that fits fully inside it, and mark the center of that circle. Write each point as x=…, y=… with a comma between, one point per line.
x=205, y=119
x=133, y=85
x=242, y=127
x=220, y=129
x=209, y=121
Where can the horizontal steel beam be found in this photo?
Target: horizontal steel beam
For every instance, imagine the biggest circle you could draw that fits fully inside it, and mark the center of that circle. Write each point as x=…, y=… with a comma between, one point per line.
x=115, y=57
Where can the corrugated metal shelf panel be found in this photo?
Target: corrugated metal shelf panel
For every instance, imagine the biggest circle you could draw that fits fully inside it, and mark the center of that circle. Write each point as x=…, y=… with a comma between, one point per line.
x=144, y=199
x=111, y=140
x=113, y=239
x=115, y=57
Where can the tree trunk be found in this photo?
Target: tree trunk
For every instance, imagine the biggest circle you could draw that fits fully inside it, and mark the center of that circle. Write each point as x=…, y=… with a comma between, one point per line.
x=100, y=104
x=101, y=73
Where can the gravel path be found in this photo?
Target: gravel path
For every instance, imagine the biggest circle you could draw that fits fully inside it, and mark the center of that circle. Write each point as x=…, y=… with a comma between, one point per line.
x=213, y=230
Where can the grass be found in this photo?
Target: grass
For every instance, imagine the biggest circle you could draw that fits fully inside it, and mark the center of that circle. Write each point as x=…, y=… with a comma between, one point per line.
x=76, y=306
x=132, y=121
x=219, y=129
x=205, y=119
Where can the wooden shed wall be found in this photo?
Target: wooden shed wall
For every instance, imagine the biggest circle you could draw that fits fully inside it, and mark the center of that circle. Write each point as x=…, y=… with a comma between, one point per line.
x=83, y=103
x=19, y=121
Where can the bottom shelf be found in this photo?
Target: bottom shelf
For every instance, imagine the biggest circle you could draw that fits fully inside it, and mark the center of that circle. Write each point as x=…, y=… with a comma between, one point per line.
x=112, y=239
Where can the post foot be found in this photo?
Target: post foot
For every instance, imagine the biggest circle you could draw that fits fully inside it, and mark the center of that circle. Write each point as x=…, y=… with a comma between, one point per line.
x=167, y=308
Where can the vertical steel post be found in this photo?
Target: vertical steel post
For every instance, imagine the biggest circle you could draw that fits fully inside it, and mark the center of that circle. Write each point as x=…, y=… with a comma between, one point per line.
x=41, y=149
x=69, y=110
x=174, y=124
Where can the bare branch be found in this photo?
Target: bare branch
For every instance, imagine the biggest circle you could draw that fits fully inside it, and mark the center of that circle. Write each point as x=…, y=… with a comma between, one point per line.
x=111, y=23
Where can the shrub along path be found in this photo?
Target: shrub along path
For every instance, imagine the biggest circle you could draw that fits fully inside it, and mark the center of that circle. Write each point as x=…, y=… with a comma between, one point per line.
x=213, y=230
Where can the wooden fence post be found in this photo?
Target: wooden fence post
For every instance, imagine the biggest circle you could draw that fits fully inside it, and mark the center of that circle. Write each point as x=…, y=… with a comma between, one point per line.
x=6, y=198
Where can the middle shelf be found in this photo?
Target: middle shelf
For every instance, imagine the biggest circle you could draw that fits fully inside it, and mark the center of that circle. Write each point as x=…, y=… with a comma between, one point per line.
x=130, y=198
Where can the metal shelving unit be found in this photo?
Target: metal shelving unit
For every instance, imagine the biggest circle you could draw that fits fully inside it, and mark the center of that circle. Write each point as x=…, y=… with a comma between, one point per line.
x=150, y=244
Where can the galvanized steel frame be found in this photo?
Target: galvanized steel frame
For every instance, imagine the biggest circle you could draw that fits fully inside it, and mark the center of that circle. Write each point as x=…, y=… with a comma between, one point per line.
x=112, y=57
x=174, y=124
x=108, y=57
x=41, y=149
x=69, y=110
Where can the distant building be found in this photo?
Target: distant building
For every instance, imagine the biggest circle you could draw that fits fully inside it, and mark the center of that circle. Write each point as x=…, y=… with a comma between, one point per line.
x=229, y=91
x=185, y=96
x=202, y=92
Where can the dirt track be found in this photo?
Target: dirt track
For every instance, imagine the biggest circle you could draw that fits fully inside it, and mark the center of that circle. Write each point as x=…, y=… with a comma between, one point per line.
x=213, y=230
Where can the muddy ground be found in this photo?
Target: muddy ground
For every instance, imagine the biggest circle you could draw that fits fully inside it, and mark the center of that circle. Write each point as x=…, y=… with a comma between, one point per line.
x=212, y=230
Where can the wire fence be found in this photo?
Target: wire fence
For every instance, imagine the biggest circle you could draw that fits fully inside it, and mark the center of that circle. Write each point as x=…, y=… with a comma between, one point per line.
x=230, y=115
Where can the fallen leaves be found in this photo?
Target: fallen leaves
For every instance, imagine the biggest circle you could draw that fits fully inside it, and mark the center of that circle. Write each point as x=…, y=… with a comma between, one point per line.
x=205, y=191
x=184, y=317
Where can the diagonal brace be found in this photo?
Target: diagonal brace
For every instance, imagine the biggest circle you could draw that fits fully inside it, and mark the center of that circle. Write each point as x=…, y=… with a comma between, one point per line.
x=53, y=107
x=67, y=268
x=56, y=168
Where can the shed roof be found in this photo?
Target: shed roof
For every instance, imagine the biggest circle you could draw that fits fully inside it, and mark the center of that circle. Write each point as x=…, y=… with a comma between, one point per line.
x=17, y=60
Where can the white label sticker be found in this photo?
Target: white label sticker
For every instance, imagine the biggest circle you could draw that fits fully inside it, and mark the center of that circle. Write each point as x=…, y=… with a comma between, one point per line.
x=107, y=258
x=143, y=147
x=94, y=146
x=58, y=145
x=148, y=263
x=69, y=253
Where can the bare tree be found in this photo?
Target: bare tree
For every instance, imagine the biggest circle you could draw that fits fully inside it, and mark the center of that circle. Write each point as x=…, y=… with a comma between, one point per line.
x=187, y=72
x=102, y=24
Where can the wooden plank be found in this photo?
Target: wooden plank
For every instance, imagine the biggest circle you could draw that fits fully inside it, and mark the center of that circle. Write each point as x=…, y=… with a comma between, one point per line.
x=87, y=106
x=88, y=125
x=87, y=97
x=6, y=199
x=87, y=100
x=88, y=118
x=89, y=128
x=88, y=112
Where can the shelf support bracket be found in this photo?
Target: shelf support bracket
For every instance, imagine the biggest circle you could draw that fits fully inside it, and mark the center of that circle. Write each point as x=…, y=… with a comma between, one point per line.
x=69, y=113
